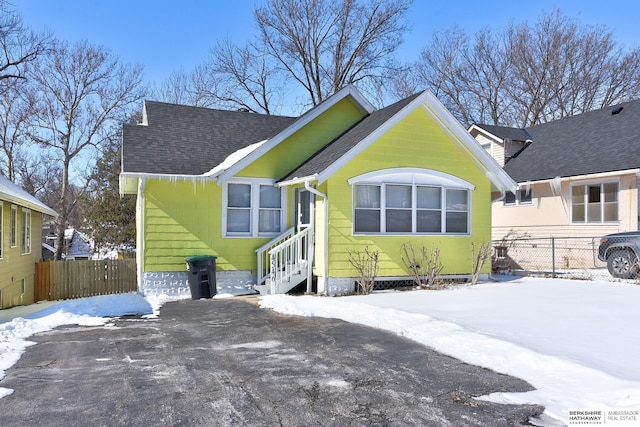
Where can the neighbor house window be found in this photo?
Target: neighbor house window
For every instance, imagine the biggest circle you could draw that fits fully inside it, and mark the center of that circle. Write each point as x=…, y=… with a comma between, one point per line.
x=253, y=209
x=26, y=231
x=13, y=229
x=594, y=203
x=1, y=229
x=413, y=201
x=521, y=197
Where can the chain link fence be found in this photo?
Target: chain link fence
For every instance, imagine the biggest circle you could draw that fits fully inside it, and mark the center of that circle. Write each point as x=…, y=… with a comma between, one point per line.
x=568, y=257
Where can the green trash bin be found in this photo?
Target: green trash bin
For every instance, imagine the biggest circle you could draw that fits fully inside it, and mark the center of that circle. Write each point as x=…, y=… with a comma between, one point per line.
x=202, y=276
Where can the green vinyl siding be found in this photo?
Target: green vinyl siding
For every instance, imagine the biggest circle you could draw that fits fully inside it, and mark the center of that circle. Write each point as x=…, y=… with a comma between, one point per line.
x=291, y=152
x=183, y=219
x=415, y=142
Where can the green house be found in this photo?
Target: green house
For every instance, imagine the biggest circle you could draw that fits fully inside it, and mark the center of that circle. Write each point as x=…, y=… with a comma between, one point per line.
x=284, y=201
x=20, y=243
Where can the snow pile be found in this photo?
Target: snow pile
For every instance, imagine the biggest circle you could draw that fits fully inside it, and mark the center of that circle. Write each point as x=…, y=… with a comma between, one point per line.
x=93, y=311
x=576, y=342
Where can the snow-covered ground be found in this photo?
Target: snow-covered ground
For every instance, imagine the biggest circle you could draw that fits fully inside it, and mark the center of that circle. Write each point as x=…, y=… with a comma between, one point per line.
x=577, y=342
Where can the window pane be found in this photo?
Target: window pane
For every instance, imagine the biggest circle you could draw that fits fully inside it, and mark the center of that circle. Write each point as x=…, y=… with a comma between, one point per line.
x=456, y=222
x=238, y=220
x=367, y=196
x=593, y=212
x=429, y=197
x=428, y=222
x=398, y=220
x=611, y=211
x=457, y=200
x=594, y=194
x=367, y=221
x=611, y=192
x=269, y=221
x=239, y=195
x=398, y=196
x=577, y=214
x=525, y=196
x=577, y=194
x=269, y=196
x=509, y=198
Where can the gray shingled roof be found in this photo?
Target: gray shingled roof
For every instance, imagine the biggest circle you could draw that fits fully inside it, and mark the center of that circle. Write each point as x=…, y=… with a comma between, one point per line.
x=349, y=139
x=191, y=140
x=588, y=143
x=504, y=132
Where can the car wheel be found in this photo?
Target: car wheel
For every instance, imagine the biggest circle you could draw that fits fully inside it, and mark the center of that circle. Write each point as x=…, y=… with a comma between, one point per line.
x=622, y=264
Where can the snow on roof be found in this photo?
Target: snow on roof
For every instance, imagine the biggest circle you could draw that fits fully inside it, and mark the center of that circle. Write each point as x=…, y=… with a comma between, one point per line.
x=234, y=158
x=16, y=194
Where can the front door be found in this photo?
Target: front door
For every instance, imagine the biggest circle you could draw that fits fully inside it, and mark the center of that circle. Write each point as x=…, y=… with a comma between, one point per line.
x=304, y=202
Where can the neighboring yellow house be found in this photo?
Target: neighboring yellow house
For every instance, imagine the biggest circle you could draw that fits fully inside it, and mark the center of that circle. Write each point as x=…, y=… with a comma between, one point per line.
x=280, y=201
x=20, y=243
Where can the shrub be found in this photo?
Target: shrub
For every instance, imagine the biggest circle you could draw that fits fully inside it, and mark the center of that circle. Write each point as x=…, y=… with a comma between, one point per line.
x=424, y=265
x=366, y=265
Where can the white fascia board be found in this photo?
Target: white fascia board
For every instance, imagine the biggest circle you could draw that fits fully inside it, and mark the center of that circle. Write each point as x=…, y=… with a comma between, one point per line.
x=13, y=193
x=364, y=143
x=500, y=179
x=302, y=121
x=485, y=132
x=583, y=177
x=296, y=180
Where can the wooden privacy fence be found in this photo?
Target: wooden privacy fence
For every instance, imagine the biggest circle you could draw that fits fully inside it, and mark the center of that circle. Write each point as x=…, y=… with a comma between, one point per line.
x=56, y=280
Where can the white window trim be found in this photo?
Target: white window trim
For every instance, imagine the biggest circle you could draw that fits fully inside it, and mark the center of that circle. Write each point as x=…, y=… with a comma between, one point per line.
x=601, y=183
x=414, y=177
x=255, y=184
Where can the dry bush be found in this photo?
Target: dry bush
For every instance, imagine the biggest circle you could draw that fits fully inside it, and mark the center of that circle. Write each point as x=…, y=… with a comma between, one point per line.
x=366, y=264
x=479, y=257
x=424, y=265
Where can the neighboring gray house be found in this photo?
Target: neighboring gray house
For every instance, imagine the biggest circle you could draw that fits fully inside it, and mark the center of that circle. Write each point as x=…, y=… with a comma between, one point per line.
x=578, y=176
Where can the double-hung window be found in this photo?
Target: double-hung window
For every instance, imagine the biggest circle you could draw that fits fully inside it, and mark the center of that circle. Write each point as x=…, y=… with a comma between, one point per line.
x=253, y=208
x=594, y=203
x=1, y=229
x=26, y=231
x=410, y=201
x=13, y=229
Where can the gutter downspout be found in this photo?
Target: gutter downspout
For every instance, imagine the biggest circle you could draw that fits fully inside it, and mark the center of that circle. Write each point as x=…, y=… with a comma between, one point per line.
x=140, y=243
x=325, y=252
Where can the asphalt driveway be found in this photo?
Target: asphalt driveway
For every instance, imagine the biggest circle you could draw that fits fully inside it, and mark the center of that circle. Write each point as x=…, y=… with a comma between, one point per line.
x=227, y=362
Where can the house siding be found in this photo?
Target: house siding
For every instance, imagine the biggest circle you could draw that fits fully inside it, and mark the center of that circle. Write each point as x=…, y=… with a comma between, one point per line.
x=281, y=159
x=550, y=215
x=15, y=266
x=416, y=141
x=184, y=218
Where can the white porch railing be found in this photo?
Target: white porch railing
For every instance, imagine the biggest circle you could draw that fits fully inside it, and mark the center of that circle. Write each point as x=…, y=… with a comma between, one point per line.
x=288, y=261
x=263, y=255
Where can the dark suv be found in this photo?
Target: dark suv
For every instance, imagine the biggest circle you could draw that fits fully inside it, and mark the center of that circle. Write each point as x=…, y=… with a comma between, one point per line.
x=621, y=251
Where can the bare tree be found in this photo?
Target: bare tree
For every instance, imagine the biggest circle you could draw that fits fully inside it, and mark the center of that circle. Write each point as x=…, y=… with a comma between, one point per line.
x=16, y=109
x=18, y=44
x=83, y=91
x=525, y=75
x=325, y=45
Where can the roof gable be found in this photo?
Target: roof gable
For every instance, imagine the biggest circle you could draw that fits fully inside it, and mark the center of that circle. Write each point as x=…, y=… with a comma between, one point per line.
x=311, y=115
x=337, y=154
